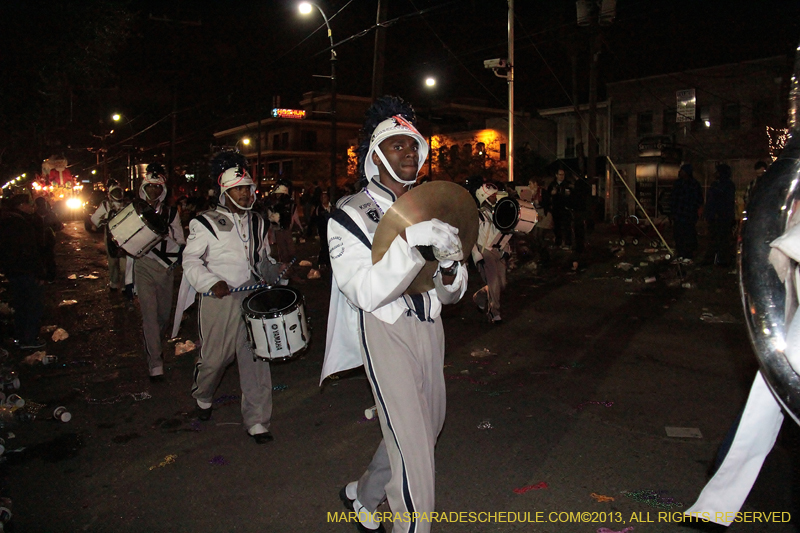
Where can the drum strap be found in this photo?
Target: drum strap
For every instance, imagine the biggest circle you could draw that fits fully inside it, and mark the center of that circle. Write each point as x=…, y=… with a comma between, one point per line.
x=350, y=225
x=160, y=251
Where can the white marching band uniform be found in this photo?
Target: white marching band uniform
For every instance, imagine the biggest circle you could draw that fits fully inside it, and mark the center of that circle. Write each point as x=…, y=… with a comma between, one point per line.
x=726, y=492
x=398, y=338
x=490, y=247
x=105, y=211
x=224, y=246
x=153, y=277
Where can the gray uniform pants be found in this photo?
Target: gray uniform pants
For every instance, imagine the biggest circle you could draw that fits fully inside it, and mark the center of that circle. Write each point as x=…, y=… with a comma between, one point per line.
x=494, y=274
x=115, y=280
x=154, y=285
x=404, y=364
x=223, y=337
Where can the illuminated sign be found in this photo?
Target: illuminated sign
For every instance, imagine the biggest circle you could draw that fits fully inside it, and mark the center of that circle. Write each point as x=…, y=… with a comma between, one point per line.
x=288, y=113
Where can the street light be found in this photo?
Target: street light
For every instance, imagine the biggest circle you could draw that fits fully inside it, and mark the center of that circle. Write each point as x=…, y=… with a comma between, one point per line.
x=116, y=117
x=306, y=8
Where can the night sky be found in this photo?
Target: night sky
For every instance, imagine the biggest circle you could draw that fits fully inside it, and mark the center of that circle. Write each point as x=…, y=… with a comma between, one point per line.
x=68, y=65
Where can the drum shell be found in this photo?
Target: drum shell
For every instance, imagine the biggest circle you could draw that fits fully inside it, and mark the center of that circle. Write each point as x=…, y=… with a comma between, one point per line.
x=132, y=232
x=513, y=215
x=277, y=334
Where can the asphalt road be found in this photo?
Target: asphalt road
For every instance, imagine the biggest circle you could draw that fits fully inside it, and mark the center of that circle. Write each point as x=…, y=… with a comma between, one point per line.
x=566, y=402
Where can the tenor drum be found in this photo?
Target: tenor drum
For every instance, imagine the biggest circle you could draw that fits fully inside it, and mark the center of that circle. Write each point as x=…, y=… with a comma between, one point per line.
x=512, y=215
x=276, y=323
x=137, y=228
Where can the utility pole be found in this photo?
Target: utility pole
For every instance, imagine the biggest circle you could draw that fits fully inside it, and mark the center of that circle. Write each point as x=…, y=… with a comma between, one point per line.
x=503, y=68
x=510, y=77
x=594, y=14
x=378, y=55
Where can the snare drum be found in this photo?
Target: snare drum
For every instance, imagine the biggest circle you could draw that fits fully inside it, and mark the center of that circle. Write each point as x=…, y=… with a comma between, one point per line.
x=514, y=215
x=276, y=323
x=137, y=228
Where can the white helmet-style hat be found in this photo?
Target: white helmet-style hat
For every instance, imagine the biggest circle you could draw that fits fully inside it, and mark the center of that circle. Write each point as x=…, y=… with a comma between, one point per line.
x=396, y=125
x=486, y=190
x=235, y=177
x=155, y=174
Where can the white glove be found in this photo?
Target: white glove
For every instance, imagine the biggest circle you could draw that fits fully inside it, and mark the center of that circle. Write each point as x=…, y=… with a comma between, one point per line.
x=441, y=236
x=274, y=217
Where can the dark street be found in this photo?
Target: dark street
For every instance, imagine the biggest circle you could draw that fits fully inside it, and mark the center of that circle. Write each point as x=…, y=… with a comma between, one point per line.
x=558, y=409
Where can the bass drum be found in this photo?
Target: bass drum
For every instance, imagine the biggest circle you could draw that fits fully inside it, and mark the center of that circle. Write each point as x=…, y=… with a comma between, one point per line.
x=512, y=215
x=137, y=228
x=276, y=323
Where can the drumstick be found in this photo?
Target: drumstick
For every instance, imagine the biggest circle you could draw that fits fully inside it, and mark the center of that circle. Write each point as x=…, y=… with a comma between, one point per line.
x=261, y=284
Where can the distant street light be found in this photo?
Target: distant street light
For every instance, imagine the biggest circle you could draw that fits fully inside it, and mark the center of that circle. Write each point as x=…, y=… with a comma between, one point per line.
x=116, y=117
x=306, y=8
x=430, y=82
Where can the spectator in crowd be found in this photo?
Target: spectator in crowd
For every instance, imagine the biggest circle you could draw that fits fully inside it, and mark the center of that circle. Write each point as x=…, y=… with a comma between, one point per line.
x=556, y=200
x=720, y=212
x=22, y=264
x=47, y=224
x=760, y=169
x=581, y=198
x=685, y=202
x=537, y=237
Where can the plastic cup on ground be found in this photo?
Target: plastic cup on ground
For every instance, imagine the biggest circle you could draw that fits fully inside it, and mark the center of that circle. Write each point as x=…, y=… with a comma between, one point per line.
x=62, y=414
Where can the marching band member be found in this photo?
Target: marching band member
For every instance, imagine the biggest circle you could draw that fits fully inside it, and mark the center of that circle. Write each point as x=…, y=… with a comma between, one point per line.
x=398, y=338
x=280, y=212
x=105, y=212
x=154, y=273
x=225, y=246
x=489, y=254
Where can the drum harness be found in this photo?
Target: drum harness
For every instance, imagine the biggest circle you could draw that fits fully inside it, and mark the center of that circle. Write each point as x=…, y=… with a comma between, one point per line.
x=262, y=283
x=160, y=250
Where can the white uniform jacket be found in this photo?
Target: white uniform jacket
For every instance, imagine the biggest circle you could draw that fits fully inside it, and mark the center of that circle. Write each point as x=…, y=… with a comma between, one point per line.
x=225, y=247
x=168, y=251
x=489, y=237
x=105, y=210
x=378, y=288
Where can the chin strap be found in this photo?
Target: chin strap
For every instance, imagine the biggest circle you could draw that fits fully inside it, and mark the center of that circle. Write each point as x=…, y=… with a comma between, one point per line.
x=237, y=205
x=390, y=170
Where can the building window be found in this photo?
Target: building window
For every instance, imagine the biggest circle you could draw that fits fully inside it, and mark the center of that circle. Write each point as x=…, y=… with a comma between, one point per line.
x=308, y=140
x=644, y=126
x=620, y=125
x=731, y=117
x=285, y=140
x=276, y=142
x=481, y=149
x=670, y=121
x=569, y=147
x=503, y=152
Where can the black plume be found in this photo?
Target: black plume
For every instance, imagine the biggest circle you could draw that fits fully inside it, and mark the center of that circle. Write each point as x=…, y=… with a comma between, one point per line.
x=383, y=108
x=157, y=169
x=226, y=159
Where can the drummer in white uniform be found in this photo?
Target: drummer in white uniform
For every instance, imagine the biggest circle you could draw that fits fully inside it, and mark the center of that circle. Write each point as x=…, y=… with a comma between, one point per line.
x=489, y=254
x=225, y=246
x=154, y=273
x=399, y=338
x=105, y=211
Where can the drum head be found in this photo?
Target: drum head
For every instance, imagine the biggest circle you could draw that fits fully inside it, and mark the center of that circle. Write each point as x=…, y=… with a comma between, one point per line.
x=151, y=218
x=506, y=214
x=271, y=302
